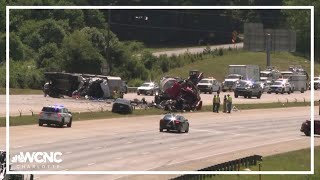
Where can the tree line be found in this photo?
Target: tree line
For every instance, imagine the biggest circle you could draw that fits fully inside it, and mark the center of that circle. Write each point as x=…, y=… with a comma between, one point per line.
x=79, y=41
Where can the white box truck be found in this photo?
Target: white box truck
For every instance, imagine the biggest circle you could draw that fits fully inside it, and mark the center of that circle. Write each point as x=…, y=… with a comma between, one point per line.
x=248, y=72
x=238, y=72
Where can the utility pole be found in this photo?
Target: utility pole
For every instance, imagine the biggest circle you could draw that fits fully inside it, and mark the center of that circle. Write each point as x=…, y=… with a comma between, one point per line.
x=268, y=47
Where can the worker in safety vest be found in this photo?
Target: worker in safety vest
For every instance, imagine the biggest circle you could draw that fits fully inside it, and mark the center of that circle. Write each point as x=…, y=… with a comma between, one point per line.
x=229, y=103
x=214, y=103
x=217, y=103
x=225, y=104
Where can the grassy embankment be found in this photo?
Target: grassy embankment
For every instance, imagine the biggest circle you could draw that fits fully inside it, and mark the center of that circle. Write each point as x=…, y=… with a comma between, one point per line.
x=218, y=66
x=290, y=161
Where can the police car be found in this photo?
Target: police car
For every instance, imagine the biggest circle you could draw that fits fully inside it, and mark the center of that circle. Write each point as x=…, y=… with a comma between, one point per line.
x=56, y=115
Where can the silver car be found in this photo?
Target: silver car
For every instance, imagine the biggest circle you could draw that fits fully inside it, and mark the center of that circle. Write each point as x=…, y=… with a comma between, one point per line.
x=56, y=115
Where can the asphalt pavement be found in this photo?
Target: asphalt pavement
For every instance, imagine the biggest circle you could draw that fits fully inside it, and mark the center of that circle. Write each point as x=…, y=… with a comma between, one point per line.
x=136, y=143
x=34, y=103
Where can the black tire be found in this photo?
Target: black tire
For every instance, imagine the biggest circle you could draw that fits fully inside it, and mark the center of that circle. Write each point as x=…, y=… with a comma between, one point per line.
x=289, y=92
x=259, y=95
x=269, y=92
x=70, y=123
x=187, y=130
x=61, y=124
x=315, y=88
x=277, y=92
x=223, y=90
x=250, y=95
x=245, y=96
x=138, y=93
x=307, y=133
x=161, y=130
x=40, y=123
x=235, y=95
x=302, y=90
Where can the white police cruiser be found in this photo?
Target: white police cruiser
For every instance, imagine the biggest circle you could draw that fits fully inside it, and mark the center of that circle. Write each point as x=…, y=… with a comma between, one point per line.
x=57, y=115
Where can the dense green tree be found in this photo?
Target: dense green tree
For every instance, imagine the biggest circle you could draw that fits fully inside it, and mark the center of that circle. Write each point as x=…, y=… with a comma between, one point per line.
x=16, y=48
x=80, y=55
x=2, y=47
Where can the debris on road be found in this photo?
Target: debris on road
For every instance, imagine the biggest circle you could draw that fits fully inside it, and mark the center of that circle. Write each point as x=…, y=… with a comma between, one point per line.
x=178, y=95
x=88, y=86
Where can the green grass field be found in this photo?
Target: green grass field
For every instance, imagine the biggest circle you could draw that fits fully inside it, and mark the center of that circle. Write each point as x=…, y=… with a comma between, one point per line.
x=27, y=120
x=290, y=161
x=14, y=91
x=218, y=66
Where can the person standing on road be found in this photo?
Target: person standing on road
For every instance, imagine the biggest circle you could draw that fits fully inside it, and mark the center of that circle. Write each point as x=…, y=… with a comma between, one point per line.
x=217, y=103
x=225, y=104
x=214, y=102
x=229, y=103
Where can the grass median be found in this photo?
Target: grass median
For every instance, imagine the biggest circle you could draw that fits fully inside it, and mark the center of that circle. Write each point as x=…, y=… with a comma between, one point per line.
x=16, y=91
x=27, y=120
x=290, y=161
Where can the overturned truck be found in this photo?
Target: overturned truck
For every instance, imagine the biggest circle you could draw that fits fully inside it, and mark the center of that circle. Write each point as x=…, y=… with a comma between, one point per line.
x=178, y=95
x=82, y=85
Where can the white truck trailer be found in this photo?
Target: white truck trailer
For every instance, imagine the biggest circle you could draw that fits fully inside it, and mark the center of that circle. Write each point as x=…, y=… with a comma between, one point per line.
x=238, y=72
x=248, y=72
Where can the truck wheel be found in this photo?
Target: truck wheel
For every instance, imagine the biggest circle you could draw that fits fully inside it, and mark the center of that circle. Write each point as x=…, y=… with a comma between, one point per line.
x=302, y=90
x=223, y=90
x=40, y=123
x=138, y=93
x=235, y=95
x=245, y=96
x=289, y=91
x=250, y=95
x=161, y=130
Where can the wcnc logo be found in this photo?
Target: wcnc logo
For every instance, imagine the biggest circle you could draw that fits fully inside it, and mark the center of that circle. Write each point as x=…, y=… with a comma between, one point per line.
x=37, y=157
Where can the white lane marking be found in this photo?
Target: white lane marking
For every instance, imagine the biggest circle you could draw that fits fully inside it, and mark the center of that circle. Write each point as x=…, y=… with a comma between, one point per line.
x=99, y=147
x=119, y=158
x=69, y=152
x=235, y=150
x=18, y=147
x=205, y=130
x=129, y=142
x=145, y=153
x=91, y=164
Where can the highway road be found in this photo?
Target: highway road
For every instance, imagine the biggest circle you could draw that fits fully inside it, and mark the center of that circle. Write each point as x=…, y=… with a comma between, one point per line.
x=28, y=103
x=194, y=50
x=136, y=143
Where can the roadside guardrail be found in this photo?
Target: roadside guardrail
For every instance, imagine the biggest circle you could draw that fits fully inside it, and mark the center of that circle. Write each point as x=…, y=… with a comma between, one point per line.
x=226, y=166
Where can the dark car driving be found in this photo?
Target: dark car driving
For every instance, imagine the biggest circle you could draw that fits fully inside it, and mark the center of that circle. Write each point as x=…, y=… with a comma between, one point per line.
x=305, y=127
x=174, y=122
x=122, y=106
